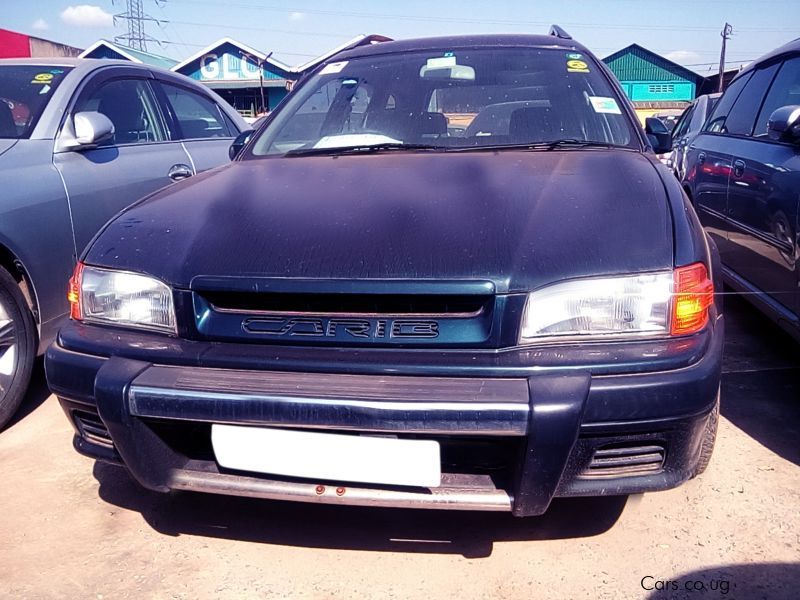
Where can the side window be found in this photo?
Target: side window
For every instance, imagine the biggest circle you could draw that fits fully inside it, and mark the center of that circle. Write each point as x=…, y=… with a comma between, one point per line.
x=742, y=116
x=197, y=116
x=131, y=107
x=717, y=120
x=785, y=90
x=683, y=122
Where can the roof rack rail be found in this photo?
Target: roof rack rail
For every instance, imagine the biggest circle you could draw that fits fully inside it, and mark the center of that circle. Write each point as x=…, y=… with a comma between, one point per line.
x=556, y=31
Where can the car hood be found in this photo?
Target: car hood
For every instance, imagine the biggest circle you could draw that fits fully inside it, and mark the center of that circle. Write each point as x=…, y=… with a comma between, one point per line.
x=521, y=219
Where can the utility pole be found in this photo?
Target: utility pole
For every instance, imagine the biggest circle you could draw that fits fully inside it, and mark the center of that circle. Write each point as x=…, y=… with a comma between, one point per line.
x=136, y=37
x=260, y=62
x=726, y=32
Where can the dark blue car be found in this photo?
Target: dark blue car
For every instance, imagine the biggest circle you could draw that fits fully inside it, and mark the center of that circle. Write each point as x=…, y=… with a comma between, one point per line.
x=743, y=176
x=376, y=304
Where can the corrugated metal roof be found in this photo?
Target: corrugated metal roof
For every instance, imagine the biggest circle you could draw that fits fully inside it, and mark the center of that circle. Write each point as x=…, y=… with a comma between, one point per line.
x=636, y=63
x=108, y=49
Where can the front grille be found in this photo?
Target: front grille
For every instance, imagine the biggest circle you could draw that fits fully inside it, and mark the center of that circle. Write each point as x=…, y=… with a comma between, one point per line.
x=444, y=317
x=625, y=460
x=92, y=428
x=349, y=305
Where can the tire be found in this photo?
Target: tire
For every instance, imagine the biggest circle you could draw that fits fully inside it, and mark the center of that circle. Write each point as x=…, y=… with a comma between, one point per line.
x=17, y=347
x=709, y=439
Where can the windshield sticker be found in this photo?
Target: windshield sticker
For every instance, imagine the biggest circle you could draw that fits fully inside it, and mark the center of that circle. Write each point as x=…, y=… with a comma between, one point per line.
x=333, y=68
x=604, y=105
x=44, y=90
x=577, y=66
x=42, y=78
x=574, y=56
x=441, y=62
x=56, y=71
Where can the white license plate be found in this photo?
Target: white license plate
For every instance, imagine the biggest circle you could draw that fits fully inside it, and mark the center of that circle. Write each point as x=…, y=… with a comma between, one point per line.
x=328, y=456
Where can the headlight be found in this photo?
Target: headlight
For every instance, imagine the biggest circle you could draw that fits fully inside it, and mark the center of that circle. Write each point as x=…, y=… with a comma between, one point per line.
x=593, y=307
x=121, y=298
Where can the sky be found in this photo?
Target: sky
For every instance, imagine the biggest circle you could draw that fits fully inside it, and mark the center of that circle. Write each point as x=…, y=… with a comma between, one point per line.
x=685, y=31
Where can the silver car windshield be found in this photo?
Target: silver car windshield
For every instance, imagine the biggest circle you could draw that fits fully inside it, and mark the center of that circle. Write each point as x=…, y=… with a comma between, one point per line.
x=24, y=92
x=448, y=100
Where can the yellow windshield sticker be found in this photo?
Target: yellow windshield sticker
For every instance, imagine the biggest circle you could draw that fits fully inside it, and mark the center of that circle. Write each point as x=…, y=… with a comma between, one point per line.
x=577, y=66
x=42, y=78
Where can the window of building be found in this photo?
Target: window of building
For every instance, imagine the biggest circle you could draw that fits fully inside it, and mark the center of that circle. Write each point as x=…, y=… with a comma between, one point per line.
x=661, y=88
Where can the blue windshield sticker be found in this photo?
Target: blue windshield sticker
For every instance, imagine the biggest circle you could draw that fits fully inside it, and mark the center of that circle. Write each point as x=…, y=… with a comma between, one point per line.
x=574, y=56
x=604, y=105
x=56, y=71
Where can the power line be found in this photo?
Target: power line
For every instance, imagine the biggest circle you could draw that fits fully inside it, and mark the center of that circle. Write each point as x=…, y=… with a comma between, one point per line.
x=450, y=19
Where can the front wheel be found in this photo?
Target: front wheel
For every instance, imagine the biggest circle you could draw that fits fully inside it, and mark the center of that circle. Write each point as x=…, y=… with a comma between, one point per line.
x=709, y=439
x=17, y=347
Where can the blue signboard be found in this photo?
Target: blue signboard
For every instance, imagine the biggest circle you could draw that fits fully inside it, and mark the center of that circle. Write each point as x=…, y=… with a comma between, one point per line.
x=229, y=63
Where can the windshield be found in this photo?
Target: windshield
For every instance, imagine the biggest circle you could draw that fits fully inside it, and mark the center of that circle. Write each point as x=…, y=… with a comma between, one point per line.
x=24, y=92
x=471, y=98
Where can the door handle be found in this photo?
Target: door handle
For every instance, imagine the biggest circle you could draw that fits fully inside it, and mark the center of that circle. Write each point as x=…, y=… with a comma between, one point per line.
x=701, y=158
x=179, y=171
x=738, y=168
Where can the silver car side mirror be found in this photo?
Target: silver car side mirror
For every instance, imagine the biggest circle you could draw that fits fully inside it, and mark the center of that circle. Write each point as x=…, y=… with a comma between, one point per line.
x=92, y=128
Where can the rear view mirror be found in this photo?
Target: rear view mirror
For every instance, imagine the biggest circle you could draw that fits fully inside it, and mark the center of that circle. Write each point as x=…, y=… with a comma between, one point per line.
x=91, y=128
x=784, y=124
x=658, y=135
x=239, y=143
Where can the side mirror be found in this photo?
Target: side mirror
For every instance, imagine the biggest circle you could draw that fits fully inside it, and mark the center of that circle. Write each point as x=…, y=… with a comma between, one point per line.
x=239, y=143
x=784, y=124
x=91, y=129
x=659, y=136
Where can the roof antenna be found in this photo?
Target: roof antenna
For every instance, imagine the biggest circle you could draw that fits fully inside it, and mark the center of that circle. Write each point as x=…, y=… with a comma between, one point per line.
x=556, y=31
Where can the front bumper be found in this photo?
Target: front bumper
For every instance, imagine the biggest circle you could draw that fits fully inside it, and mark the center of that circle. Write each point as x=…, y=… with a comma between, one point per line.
x=586, y=419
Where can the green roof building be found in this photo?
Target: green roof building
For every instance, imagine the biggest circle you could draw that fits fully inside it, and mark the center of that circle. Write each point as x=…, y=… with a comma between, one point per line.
x=648, y=77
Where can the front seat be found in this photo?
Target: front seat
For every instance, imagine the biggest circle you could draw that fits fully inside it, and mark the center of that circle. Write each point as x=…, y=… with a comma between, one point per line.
x=126, y=112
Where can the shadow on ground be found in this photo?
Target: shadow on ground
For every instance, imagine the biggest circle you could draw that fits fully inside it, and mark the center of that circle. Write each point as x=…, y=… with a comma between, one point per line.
x=777, y=581
x=761, y=380
x=471, y=534
x=37, y=394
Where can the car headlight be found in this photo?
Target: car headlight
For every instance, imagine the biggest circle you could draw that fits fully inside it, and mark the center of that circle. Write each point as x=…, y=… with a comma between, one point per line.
x=121, y=298
x=666, y=303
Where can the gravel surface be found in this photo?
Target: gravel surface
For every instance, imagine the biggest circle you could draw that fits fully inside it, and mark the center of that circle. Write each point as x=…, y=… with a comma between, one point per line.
x=71, y=528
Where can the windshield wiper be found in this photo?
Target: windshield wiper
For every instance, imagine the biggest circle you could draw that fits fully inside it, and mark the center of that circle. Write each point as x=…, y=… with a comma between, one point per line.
x=362, y=149
x=549, y=145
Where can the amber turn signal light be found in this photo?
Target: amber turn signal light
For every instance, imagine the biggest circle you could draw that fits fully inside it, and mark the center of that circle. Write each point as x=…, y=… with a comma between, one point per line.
x=693, y=294
x=74, y=292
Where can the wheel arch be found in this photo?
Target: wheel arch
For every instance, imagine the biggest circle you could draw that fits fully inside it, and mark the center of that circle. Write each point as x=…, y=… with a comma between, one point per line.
x=15, y=267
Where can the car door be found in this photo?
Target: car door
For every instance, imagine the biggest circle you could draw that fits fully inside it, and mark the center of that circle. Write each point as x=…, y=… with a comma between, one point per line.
x=708, y=165
x=200, y=123
x=137, y=160
x=764, y=189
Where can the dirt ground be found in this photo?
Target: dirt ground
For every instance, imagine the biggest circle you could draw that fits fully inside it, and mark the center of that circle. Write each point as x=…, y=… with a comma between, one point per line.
x=70, y=528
